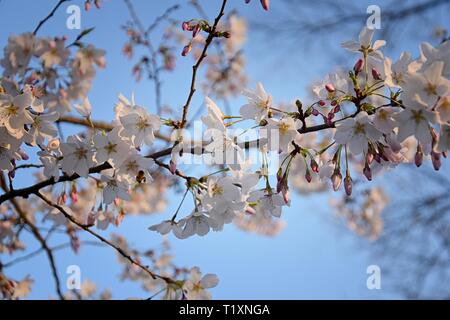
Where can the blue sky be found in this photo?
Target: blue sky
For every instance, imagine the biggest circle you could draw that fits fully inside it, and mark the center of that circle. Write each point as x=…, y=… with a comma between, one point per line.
x=314, y=257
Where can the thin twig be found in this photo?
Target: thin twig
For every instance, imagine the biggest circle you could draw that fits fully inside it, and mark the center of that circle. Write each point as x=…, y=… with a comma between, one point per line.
x=209, y=39
x=41, y=23
x=102, y=239
x=38, y=236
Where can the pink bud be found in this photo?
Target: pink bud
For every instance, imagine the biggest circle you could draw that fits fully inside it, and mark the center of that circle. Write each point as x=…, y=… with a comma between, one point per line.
x=62, y=198
x=359, y=65
x=375, y=74
x=119, y=218
x=12, y=174
x=265, y=4
x=75, y=243
x=196, y=31
x=337, y=109
x=286, y=196
x=186, y=50
x=23, y=154
x=367, y=172
x=336, y=180
x=74, y=194
x=314, y=166
x=348, y=185
x=369, y=158
x=250, y=210
x=172, y=167
x=308, y=176
x=330, y=88
x=87, y=5
x=185, y=26
x=330, y=115
x=315, y=112
x=90, y=221
x=322, y=103
x=418, y=158
x=436, y=160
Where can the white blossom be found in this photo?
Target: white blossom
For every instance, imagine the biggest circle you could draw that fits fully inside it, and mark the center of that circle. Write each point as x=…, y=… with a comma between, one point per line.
x=77, y=156
x=258, y=105
x=356, y=132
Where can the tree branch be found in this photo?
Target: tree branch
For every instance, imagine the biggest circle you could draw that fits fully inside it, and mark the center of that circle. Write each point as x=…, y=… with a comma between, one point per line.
x=102, y=239
x=41, y=23
x=209, y=39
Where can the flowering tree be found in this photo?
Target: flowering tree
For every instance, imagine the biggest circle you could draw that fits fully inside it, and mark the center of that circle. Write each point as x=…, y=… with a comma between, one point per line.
x=357, y=123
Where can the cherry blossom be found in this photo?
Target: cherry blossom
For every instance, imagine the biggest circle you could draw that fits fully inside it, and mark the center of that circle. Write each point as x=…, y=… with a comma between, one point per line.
x=195, y=287
x=357, y=133
x=77, y=156
x=258, y=106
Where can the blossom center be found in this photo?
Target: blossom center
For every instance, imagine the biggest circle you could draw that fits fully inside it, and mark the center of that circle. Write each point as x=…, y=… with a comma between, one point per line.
x=431, y=89
x=142, y=123
x=111, y=148
x=360, y=128
x=417, y=116
x=284, y=128
x=216, y=190
x=80, y=153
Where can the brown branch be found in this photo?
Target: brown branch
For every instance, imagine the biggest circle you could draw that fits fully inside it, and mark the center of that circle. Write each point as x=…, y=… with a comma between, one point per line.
x=102, y=125
x=38, y=236
x=148, y=44
x=209, y=39
x=41, y=23
x=38, y=251
x=102, y=239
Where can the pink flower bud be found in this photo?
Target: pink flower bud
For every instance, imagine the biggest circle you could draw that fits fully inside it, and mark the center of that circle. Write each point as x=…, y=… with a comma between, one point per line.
x=75, y=243
x=367, y=172
x=62, y=198
x=337, y=109
x=308, y=176
x=315, y=112
x=436, y=160
x=74, y=194
x=330, y=115
x=186, y=50
x=265, y=4
x=87, y=5
x=314, y=166
x=23, y=154
x=90, y=221
x=322, y=103
x=185, y=26
x=359, y=65
x=196, y=31
x=12, y=174
x=375, y=74
x=369, y=157
x=172, y=167
x=119, y=218
x=285, y=193
x=348, y=185
x=250, y=210
x=336, y=180
x=418, y=157
x=329, y=87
